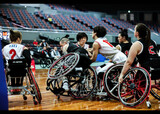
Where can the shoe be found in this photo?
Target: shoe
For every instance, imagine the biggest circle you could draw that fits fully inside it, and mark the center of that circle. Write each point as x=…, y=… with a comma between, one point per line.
x=65, y=86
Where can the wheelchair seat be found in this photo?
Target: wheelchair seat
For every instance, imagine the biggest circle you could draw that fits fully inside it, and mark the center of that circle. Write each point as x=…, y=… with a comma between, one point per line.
x=16, y=70
x=17, y=67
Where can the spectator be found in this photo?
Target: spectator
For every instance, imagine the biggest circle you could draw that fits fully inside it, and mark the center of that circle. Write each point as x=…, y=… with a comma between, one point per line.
x=44, y=44
x=55, y=53
x=45, y=52
x=35, y=43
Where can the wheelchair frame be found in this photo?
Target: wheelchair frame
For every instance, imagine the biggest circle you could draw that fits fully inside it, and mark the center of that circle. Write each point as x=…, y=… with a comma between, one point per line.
x=30, y=88
x=81, y=82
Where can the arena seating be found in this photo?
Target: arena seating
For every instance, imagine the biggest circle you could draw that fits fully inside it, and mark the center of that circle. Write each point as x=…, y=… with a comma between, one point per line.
x=62, y=7
x=80, y=22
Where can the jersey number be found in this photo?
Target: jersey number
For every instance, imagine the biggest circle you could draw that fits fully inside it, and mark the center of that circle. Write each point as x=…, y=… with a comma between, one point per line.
x=13, y=52
x=150, y=49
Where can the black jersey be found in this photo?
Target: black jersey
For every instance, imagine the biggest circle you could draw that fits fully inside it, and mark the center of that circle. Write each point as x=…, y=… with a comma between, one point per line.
x=153, y=49
x=84, y=58
x=125, y=47
x=147, y=52
x=76, y=48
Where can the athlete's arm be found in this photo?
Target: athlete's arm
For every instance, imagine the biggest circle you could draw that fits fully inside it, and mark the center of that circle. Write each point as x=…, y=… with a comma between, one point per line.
x=27, y=55
x=133, y=52
x=96, y=47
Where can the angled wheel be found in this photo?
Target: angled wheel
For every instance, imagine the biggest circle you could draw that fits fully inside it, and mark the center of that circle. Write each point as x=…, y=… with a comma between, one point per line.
x=135, y=87
x=82, y=85
x=63, y=66
x=111, y=80
x=35, y=88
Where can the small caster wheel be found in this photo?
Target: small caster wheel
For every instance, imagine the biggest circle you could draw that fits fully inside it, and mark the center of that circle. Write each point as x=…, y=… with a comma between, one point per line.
x=24, y=97
x=148, y=104
x=47, y=88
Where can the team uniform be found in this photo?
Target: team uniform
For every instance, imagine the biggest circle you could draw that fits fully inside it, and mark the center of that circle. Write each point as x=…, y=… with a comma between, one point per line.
x=110, y=52
x=86, y=46
x=84, y=58
x=124, y=47
x=13, y=51
x=146, y=53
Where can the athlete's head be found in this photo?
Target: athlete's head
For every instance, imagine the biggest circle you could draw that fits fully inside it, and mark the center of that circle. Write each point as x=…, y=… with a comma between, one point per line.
x=82, y=38
x=15, y=36
x=142, y=31
x=123, y=36
x=99, y=31
x=81, y=35
x=64, y=41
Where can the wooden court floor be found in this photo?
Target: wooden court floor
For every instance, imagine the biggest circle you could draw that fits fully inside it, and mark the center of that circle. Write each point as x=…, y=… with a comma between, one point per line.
x=50, y=102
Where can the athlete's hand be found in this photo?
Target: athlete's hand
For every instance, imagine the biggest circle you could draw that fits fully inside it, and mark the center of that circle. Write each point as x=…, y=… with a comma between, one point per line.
x=120, y=79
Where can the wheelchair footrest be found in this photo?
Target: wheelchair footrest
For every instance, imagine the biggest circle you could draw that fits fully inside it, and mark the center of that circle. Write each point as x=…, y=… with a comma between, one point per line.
x=59, y=91
x=78, y=69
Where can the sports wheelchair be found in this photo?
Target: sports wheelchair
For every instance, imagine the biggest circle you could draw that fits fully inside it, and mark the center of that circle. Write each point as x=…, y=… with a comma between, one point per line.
x=138, y=83
x=108, y=82
x=21, y=81
x=82, y=79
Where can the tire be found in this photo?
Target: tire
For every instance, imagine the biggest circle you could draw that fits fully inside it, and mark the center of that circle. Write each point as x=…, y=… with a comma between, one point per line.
x=135, y=87
x=111, y=80
x=63, y=66
x=155, y=89
x=35, y=87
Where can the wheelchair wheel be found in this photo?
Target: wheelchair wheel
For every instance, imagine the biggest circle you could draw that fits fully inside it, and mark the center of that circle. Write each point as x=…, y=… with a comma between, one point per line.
x=35, y=88
x=155, y=88
x=111, y=80
x=63, y=66
x=82, y=85
x=135, y=87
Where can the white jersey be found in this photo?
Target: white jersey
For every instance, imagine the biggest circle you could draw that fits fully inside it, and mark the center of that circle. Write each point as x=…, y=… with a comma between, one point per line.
x=106, y=49
x=13, y=51
x=110, y=52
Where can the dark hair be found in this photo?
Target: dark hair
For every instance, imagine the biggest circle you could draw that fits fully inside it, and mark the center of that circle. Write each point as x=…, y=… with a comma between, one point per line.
x=81, y=35
x=14, y=35
x=66, y=36
x=100, y=30
x=124, y=33
x=144, y=32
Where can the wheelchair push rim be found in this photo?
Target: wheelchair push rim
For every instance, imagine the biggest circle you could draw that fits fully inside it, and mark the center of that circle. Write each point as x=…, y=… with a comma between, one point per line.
x=135, y=87
x=63, y=66
x=35, y=86
x=110, y=80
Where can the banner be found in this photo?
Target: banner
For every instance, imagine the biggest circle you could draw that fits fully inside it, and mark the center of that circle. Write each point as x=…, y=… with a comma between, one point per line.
x=3, y=86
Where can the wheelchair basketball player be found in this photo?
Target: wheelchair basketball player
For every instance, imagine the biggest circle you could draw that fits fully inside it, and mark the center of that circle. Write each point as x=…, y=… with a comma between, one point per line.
x=68, y=47
x=15, y=50
x=102, y=46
